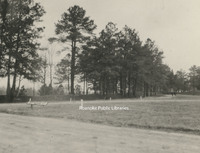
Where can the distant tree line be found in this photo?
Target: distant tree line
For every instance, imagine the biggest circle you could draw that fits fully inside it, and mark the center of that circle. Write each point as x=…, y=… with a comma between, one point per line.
x=187, y=82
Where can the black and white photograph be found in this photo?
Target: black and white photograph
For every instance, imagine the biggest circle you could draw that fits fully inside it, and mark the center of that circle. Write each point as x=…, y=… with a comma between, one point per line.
x=99, y=76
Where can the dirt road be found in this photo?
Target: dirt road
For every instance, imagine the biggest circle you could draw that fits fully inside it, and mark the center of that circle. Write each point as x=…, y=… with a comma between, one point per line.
x=21, y=134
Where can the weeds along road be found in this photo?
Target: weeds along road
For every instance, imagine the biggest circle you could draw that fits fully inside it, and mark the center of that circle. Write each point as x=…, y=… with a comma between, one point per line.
x=22, y=134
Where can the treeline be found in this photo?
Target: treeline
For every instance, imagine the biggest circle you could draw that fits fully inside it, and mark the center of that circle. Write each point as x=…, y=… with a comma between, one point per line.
x=117, y=62
x=186, y=81
x=19, y=58
x=114, y=62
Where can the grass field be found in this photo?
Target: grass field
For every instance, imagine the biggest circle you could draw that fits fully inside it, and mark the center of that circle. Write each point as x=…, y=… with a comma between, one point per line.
x=180, y=113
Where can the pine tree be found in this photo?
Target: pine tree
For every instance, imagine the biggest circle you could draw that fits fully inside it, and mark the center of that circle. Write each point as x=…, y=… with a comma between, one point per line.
x=75, y=27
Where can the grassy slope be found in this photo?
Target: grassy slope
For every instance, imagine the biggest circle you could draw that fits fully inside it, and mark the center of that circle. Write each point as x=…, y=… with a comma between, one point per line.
x=160, y=114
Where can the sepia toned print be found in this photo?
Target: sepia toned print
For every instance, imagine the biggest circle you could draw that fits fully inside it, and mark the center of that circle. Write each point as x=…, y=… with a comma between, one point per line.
x=96, y=76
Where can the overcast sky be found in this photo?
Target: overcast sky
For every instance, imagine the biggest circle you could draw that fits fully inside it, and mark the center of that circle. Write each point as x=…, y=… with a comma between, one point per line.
x=173, y=24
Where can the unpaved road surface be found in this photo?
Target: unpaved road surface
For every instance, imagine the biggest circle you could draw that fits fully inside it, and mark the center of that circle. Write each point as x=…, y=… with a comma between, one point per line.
x=22, y=134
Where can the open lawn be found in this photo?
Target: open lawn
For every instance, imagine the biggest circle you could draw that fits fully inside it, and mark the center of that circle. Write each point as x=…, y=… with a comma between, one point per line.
x=180, y=113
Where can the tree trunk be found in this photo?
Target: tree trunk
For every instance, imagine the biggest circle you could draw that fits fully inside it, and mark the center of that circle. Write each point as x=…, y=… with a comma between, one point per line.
x=116, y=85
x=68, y=80
x=135, y=86
x=125, y=85
x=13, y=94
x=14, y=82
x=121, y=84
x=104, y=85
x=8, y=79
x=144, y=89
x=129, y=84
x=51, y=77
x=101, y=86
x=73, y=65
x=86, y=85
x=147, y=89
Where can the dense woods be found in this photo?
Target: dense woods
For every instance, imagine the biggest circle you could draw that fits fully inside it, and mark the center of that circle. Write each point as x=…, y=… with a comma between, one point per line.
x=113, y=62
x=117, y=62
